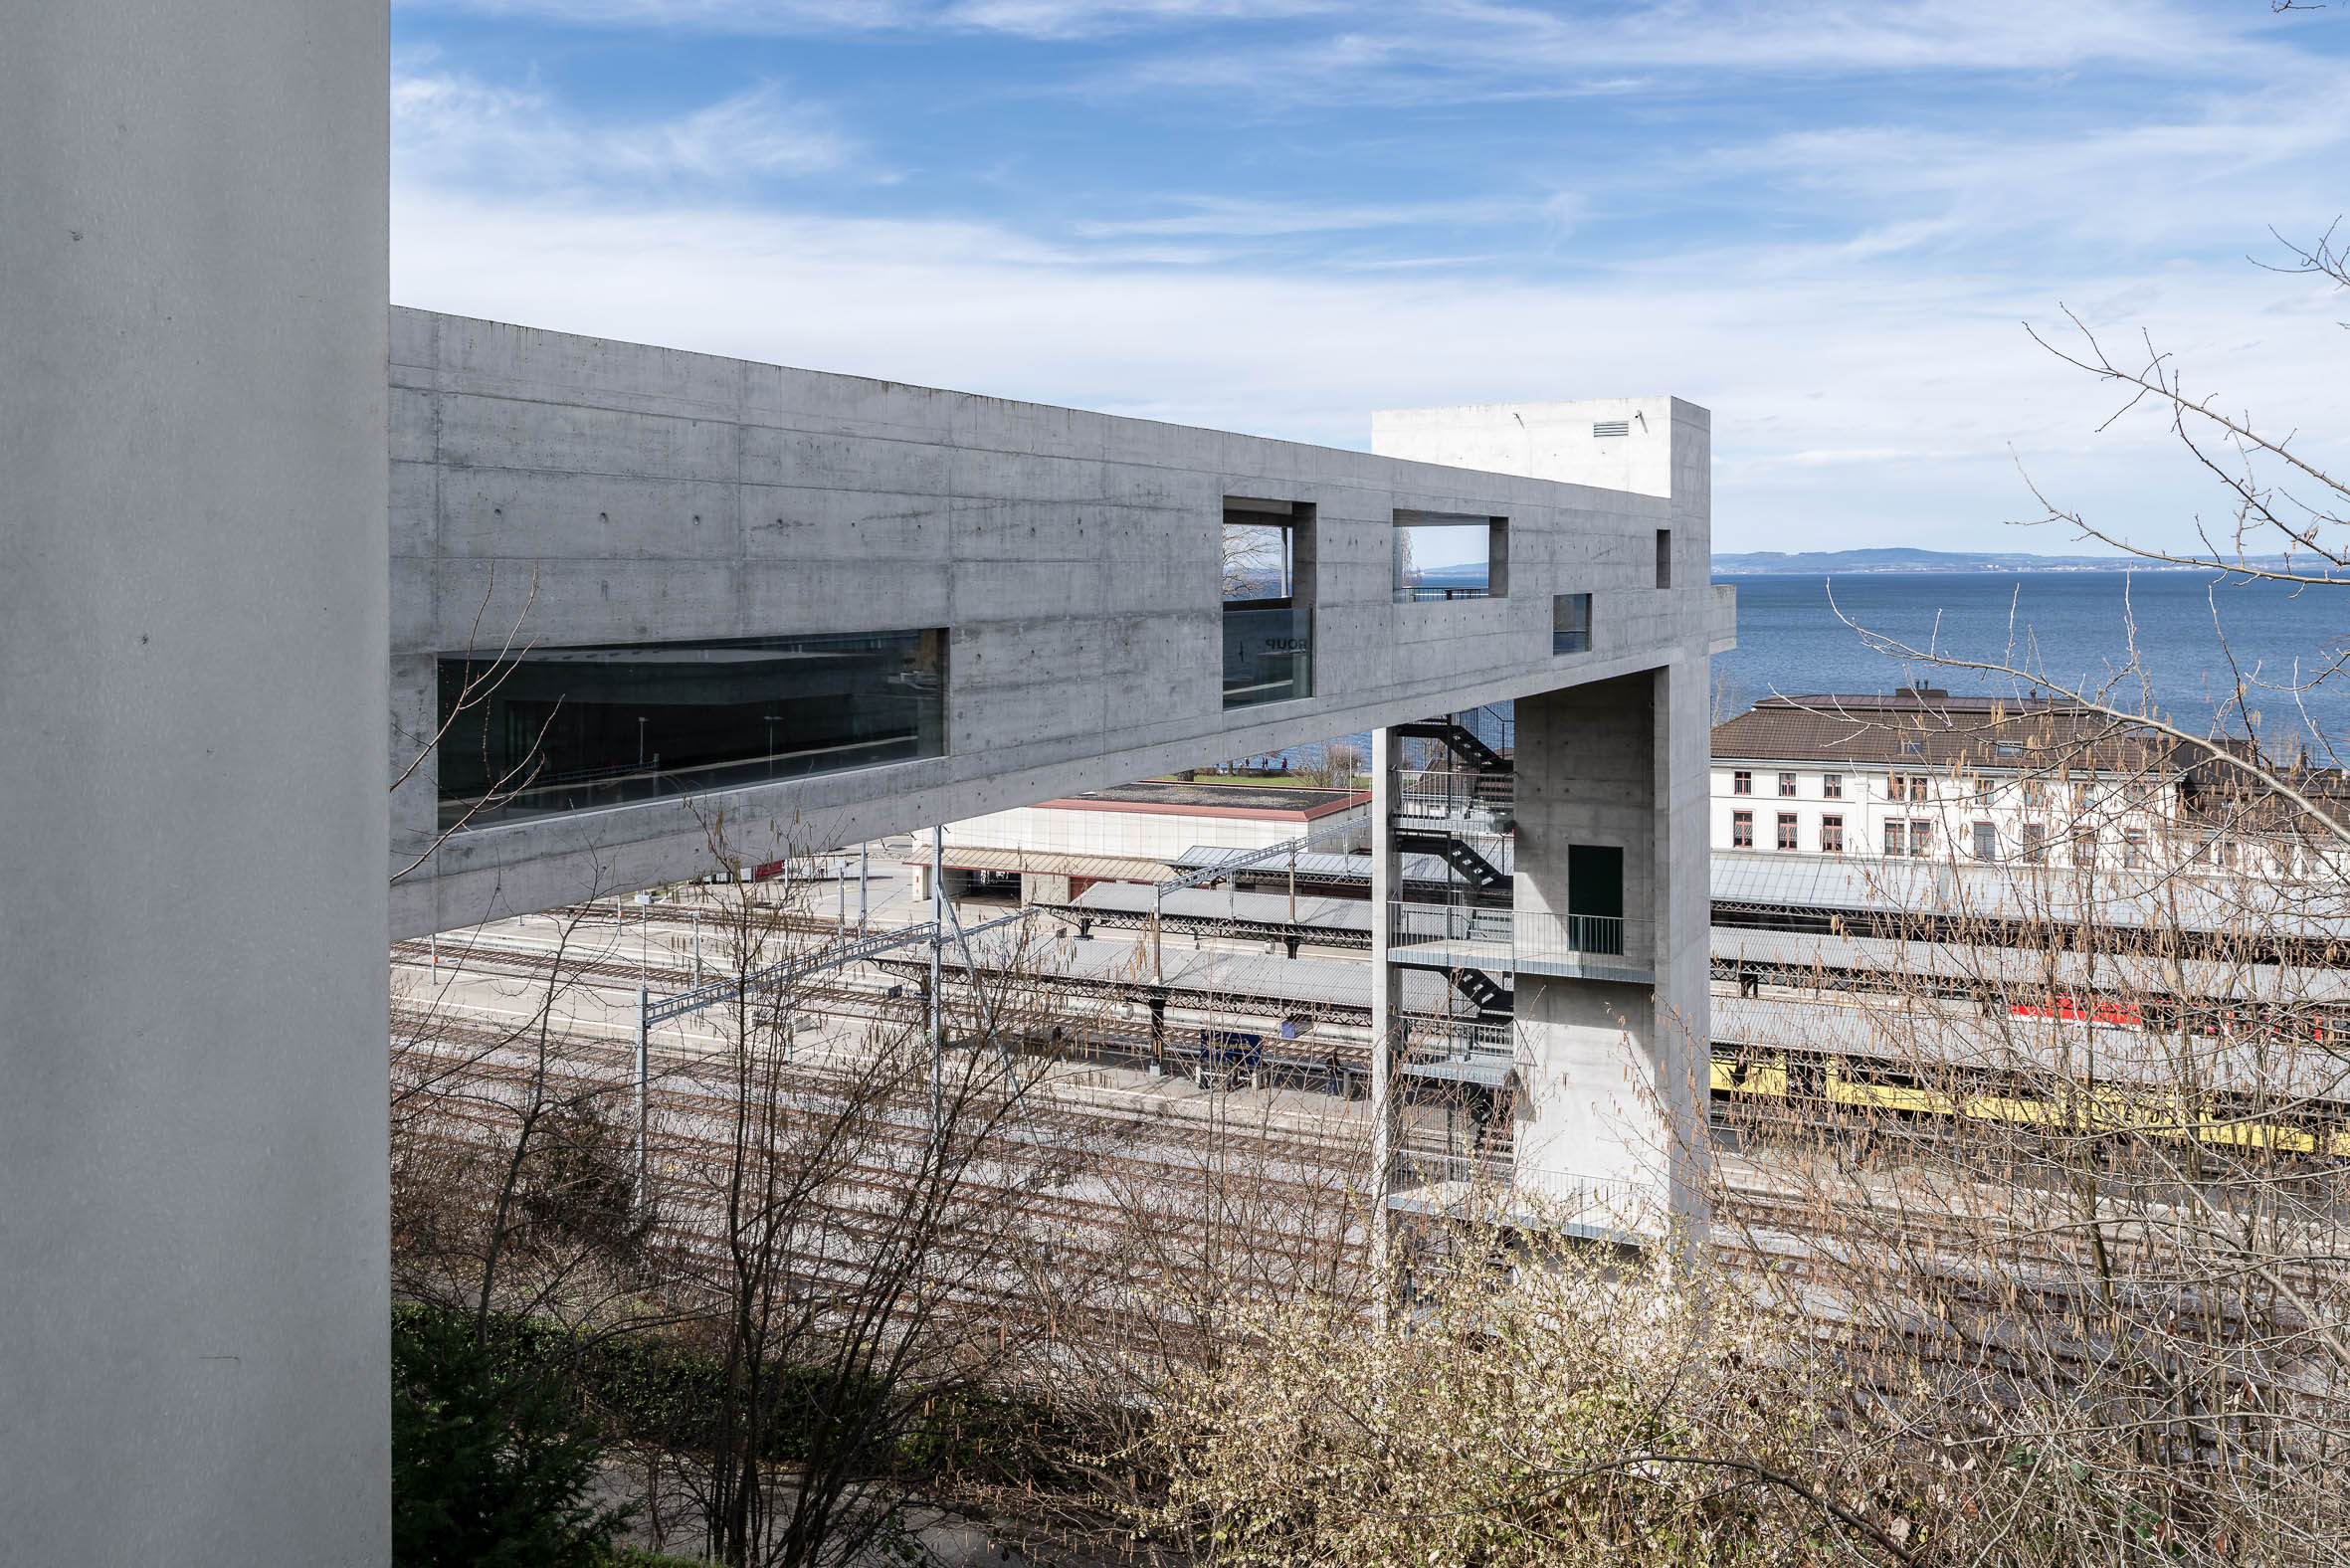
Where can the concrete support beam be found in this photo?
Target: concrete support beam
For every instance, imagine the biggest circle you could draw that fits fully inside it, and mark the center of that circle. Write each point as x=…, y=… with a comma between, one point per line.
x=194, y=625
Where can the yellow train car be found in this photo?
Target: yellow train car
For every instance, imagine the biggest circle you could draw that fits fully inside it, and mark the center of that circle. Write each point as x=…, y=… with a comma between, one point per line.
x=1745, y=1075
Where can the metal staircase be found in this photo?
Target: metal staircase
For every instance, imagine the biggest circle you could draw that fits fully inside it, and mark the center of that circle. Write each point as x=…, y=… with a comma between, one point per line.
x=1491, y=999
x=1457, y=853
x=1462, y=741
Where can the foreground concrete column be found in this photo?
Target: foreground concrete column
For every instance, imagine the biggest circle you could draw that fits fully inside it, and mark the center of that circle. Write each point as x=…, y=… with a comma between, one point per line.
x=193, y=627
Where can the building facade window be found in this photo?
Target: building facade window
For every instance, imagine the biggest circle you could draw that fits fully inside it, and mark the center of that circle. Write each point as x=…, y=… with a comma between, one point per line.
x=1986, y=840
x=2084, y=847
x=1832, y=835
x=2035, y=842
x=577, y=728
x=1741, y=830
x=1268, y=591
x=1831, y=786
x=1570, y=623
x=1741, y=782
x=1921, y=836
x=1786, y=830
x=2134, y=848
x=1787, y=784
x=2035, y=794
x=1897, y=836
x=1448, y=555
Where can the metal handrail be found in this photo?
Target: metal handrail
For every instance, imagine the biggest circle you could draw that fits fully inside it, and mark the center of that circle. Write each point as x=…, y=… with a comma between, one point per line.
x=1451, y=795
x=1534, y=935
x=1427, y=1039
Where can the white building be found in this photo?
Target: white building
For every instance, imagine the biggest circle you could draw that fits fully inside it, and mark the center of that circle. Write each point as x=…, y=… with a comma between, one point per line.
x=1138, y=832
x=1922, y=774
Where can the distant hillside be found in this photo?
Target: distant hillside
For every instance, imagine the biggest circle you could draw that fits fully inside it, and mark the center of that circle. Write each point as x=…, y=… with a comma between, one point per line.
x=1901, y=560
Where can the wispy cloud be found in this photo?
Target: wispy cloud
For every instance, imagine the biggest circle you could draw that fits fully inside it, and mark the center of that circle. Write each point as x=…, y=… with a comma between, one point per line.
x=457, y=130
x=1238, y=218
x=1825, y=222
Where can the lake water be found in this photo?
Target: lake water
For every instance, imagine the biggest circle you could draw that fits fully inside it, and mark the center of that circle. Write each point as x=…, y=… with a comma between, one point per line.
x=2075, y=624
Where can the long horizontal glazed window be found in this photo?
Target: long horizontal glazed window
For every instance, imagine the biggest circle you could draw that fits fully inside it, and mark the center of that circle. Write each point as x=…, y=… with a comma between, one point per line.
x=1268, y=652
x=574, y=728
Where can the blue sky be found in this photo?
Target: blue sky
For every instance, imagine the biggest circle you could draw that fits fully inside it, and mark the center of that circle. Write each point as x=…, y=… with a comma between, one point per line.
x=1826, y=222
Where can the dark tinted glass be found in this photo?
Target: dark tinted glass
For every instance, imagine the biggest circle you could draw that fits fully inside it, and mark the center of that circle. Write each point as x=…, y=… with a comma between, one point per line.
x=1570, y=623
x=1268, y=652
x=570, y=728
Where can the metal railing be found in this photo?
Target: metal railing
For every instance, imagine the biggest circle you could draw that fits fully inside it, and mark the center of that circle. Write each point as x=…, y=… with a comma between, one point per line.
x=1431, y=1156
x=1478, y=801
x=1430, y=593
x=1448, y=925
x=1571, y=936
x=1502, y=939
x=1427, y=1039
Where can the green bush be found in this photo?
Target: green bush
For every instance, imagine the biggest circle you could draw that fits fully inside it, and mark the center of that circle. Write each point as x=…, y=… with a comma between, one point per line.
x=490, y=1469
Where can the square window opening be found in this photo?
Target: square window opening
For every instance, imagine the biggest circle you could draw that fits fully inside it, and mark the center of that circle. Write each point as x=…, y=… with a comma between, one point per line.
x=1450, y=555
x=1570, y=623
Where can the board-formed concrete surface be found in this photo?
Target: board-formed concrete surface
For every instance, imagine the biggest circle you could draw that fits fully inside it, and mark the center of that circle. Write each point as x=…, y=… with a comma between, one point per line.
x=632, y=493
x=193, y=1190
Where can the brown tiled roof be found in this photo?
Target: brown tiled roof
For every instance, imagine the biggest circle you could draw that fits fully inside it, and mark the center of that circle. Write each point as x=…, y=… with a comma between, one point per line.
x=1930, y=729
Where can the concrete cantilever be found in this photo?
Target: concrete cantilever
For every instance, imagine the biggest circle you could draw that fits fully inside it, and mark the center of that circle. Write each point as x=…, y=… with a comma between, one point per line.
x=590, y=491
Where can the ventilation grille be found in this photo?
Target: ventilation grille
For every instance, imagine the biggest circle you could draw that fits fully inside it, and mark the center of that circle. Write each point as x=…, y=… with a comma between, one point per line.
x=1611, y=427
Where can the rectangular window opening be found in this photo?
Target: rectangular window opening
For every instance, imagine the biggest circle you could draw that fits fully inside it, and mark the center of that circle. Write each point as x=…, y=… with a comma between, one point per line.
x=558, y=729
x=1570, y=623
x=1786, y=784
x=1785, y=829
x=1450, y=555
x=1268, y=576
x=1742, y=781
x=1741, y=830
x=1664, y=557
x=1832, y=835
x=1831, y=786
x=1986, y=841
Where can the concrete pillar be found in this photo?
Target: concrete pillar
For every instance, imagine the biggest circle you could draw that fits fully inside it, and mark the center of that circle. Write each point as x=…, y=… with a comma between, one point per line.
x=1387, y=981
x=194, y=625
x=1042, y=888
x=1613, y=1095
